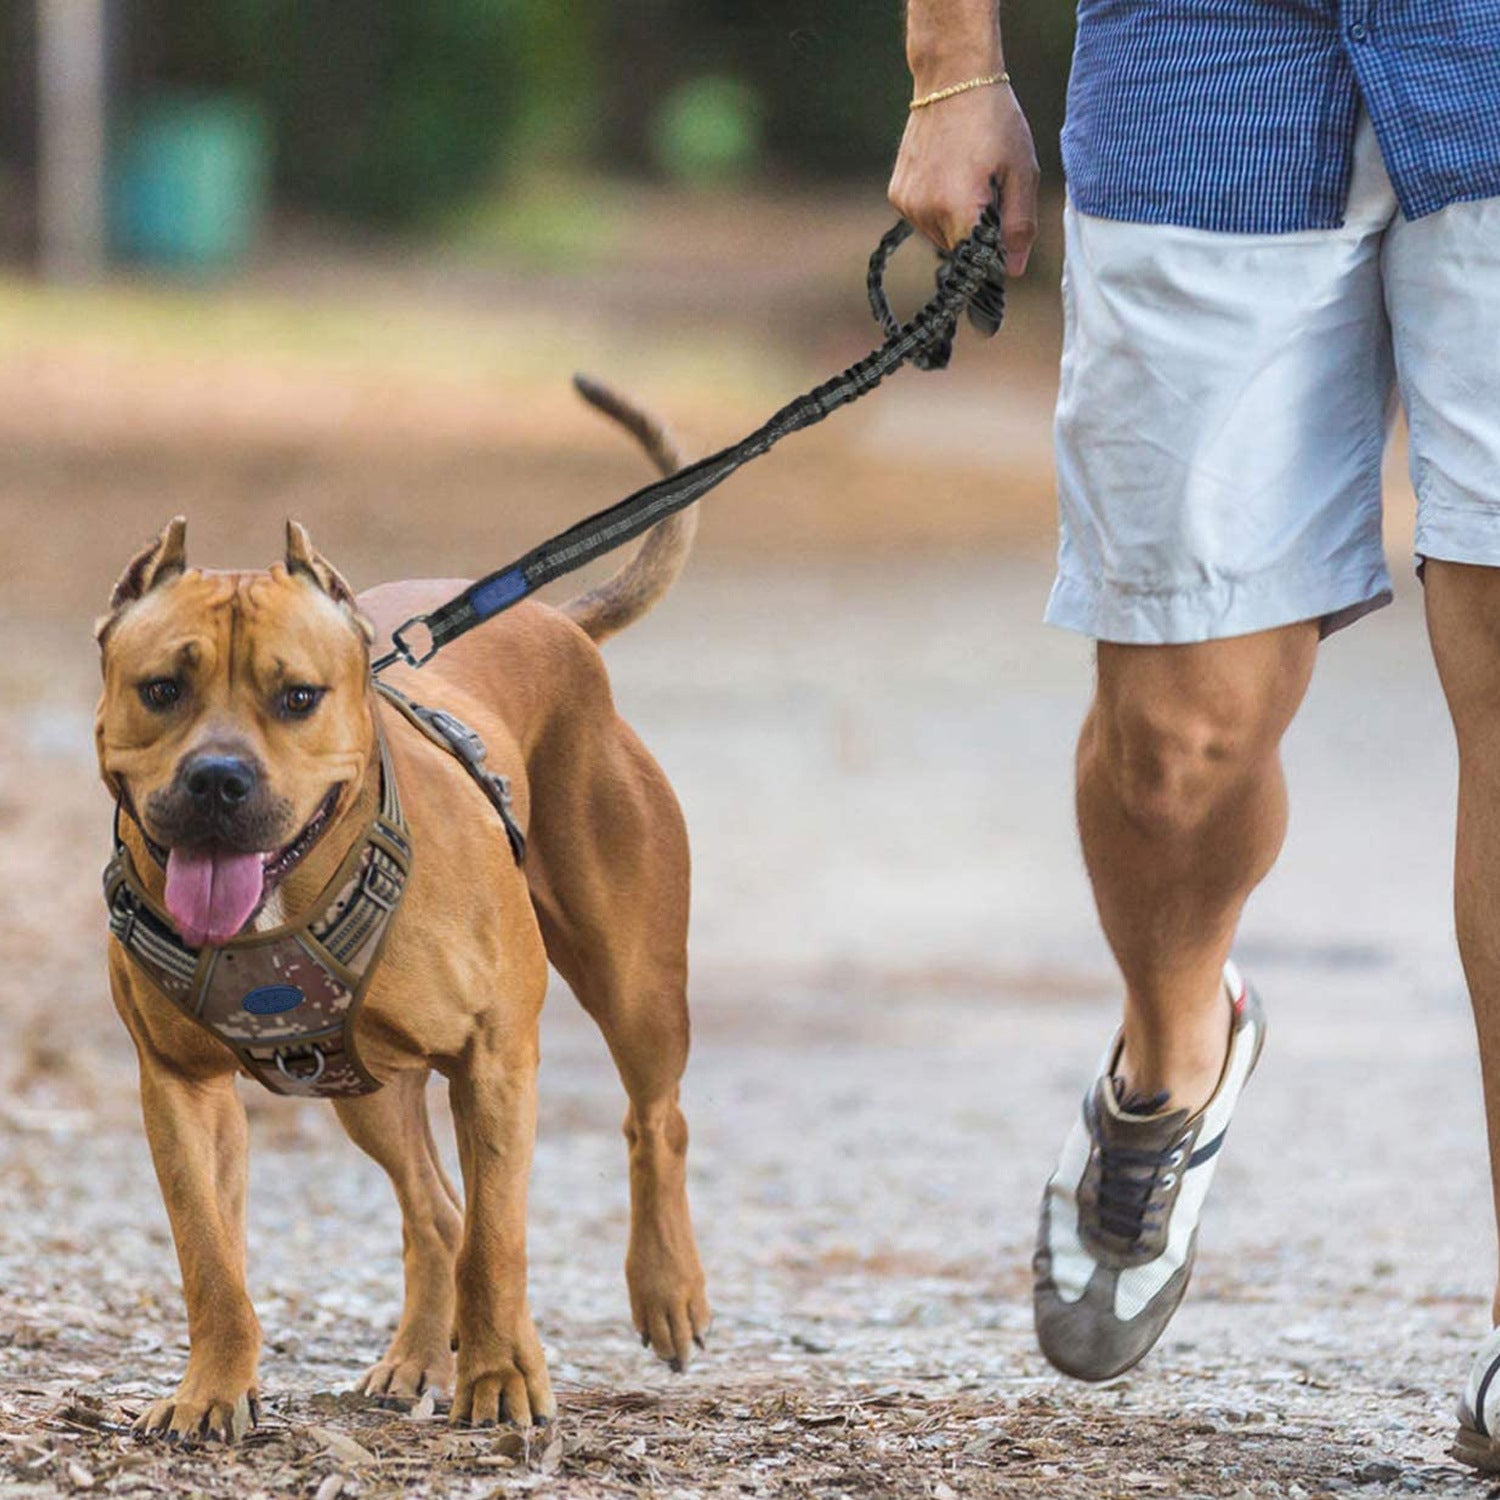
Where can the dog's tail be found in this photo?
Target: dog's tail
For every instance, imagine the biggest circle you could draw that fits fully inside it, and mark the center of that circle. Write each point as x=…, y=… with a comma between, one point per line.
x=636, y=588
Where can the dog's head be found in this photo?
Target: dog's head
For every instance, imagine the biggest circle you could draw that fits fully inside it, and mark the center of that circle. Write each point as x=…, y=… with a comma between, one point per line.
x=235, y=722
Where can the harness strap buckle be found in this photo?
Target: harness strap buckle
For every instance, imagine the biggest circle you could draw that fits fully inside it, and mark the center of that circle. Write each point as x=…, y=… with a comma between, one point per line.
x=465, y=741
x=381, y=887
x=125, y=913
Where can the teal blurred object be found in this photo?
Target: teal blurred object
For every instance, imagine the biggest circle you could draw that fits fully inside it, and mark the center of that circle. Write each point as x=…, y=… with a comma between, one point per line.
x=189, y=181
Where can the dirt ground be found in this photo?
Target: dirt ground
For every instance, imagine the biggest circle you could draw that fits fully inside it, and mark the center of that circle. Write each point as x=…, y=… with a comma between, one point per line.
x=898, y=993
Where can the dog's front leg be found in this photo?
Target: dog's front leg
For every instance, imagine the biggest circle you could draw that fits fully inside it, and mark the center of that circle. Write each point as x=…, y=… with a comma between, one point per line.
x=392, y=1126
x=196, y=1128
x=501, y=1371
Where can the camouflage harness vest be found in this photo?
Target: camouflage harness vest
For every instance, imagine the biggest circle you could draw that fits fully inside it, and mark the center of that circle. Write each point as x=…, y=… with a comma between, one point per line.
x=285, y=1001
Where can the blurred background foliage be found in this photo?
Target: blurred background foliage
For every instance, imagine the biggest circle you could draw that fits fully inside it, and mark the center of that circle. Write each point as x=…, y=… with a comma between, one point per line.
x=394, y=112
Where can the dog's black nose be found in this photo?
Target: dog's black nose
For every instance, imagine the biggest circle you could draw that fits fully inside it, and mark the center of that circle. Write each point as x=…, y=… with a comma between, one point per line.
x=219, y=780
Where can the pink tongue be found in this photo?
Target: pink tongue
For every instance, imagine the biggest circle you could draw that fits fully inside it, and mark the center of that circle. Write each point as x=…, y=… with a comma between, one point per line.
x=212, y=896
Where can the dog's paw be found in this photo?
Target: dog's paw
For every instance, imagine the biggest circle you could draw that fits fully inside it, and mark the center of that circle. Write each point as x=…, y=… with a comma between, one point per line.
x=196, y=1413
x=403, y=1376
x=510, y=1387
x=669, y=1307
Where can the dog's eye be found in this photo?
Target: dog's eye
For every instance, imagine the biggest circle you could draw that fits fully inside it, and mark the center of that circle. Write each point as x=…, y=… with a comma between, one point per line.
x=161, y=693
x=299, y=700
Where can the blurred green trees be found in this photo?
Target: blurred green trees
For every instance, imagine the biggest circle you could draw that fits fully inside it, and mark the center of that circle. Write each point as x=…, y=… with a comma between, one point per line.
x=390, y=111
x=829, y=75
x=383, y=112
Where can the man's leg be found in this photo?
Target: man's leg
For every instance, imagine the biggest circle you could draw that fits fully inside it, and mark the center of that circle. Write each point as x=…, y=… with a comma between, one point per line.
x=1442, y=290
x=1463, y=619
x=1220, y=423
x=1182, y=811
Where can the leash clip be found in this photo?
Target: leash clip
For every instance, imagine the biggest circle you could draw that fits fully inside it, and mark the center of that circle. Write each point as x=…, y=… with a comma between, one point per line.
x=401, y=651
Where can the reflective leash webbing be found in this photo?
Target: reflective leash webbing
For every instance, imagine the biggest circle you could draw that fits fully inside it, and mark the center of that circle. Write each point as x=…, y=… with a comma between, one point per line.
x=969, y=279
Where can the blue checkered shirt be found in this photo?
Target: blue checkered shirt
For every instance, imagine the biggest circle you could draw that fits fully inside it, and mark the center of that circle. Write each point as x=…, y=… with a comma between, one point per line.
x=1239, y=115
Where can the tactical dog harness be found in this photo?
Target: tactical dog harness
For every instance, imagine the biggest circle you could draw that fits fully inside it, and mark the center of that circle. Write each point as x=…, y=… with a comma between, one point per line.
x=285, y=1001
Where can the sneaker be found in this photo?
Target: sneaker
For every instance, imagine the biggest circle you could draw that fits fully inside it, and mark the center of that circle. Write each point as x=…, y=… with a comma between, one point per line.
x=1479, y=1411
x=1120, y=1214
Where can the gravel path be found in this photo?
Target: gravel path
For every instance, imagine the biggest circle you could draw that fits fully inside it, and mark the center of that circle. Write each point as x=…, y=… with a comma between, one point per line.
x=898, y=998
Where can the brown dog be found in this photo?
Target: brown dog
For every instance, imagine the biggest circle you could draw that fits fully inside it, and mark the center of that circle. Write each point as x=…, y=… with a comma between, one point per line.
x=239, y=731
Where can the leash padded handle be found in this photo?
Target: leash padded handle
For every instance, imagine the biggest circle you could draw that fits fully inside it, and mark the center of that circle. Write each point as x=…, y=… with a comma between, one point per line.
x=985, y=306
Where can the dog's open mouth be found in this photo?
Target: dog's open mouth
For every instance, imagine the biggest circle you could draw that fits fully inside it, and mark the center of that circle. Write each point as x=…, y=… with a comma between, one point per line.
x=213, y=894
x=281, y=864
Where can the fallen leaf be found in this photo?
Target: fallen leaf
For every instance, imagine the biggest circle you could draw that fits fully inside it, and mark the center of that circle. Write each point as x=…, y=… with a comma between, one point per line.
x=341, y=1446
x=551, y=1456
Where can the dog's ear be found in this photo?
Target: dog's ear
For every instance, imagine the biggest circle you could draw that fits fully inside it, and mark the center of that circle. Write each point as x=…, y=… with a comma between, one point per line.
x=302, y=557
x=152, y=566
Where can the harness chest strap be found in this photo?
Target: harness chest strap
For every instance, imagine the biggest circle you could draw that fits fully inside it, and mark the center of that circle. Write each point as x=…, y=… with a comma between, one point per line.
x=284, y=1000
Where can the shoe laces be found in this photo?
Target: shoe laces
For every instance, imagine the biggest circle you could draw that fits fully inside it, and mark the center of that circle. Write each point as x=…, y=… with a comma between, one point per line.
x=1128, y=1196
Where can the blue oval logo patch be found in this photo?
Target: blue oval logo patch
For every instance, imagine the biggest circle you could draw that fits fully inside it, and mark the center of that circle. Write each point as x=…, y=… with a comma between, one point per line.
x=272, y=999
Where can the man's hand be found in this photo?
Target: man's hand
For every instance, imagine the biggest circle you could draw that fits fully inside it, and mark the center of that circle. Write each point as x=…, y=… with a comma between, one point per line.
x=949, y=153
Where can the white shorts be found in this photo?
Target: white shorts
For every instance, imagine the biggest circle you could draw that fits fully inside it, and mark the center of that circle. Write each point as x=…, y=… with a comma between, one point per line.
x=1225, y=401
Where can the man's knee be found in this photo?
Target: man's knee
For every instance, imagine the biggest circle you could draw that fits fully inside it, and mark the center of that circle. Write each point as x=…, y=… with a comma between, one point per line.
x=1175, y=745
x=1168, y=766
x=1463, y=619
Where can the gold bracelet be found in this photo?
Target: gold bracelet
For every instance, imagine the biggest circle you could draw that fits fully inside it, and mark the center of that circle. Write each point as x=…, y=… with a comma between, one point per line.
x=958, y=88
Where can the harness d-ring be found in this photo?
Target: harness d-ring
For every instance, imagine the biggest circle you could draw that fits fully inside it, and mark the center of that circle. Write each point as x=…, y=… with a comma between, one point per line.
x=320, y=1062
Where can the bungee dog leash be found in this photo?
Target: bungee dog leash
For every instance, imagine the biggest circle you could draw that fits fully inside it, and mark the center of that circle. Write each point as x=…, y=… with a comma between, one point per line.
x=970, y=279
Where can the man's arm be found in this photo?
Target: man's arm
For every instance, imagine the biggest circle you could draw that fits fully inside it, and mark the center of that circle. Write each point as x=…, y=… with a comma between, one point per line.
x=951, y=149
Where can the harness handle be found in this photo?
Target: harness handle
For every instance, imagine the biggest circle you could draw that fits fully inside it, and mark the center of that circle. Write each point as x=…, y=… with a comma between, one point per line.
x=970, y=278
